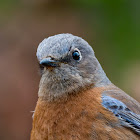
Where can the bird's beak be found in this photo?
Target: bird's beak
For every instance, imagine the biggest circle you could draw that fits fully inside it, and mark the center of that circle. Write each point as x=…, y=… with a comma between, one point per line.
x=49, y=62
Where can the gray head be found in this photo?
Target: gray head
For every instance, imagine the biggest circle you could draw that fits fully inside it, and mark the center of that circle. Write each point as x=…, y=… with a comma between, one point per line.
x=68, y=64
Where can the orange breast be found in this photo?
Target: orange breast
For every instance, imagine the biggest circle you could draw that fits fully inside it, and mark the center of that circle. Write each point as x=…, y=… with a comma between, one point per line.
x=79, y=117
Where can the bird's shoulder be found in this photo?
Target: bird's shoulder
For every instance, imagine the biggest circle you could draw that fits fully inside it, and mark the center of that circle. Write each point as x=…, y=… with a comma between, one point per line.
x=120, y=95
x=124, y=107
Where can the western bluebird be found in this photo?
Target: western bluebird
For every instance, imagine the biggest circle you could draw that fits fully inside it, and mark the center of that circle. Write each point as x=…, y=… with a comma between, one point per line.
x=76, y=99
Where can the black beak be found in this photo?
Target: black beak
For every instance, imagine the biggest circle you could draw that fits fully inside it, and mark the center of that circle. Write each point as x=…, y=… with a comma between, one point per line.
x=49, y=62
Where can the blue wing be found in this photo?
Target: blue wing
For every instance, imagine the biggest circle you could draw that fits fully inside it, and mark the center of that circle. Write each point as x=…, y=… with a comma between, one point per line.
x=120, y=110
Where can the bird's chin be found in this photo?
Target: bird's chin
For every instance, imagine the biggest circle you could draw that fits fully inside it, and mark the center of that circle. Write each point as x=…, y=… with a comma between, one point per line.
x=54, y=87
x=61, y=81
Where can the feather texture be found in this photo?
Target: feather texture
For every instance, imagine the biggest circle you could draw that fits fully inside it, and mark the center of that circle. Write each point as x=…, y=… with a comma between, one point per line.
x=121, y=111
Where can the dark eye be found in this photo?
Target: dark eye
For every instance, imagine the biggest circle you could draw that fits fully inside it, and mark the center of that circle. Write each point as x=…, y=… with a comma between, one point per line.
x=76, y=55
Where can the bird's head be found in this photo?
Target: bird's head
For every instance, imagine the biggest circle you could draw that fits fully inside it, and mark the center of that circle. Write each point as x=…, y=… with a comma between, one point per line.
x=67, y=64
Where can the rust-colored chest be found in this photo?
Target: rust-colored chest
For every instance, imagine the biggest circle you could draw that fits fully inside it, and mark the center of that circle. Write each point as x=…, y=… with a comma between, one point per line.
x=80, y=117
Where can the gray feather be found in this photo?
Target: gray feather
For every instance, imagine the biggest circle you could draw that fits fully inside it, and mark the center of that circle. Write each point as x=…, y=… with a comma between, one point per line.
x=124, y=114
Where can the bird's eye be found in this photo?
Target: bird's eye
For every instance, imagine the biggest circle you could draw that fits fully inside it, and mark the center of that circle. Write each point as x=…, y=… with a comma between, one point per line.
x=76, y=55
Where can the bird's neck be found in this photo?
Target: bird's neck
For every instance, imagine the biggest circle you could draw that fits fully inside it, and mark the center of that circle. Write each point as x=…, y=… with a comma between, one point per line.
x=100, y=78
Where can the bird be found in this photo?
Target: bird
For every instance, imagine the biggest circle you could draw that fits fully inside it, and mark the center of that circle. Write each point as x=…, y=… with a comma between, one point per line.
x=76, y=99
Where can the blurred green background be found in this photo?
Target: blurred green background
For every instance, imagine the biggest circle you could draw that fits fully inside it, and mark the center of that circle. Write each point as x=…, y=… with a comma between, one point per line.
x=112, y=28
